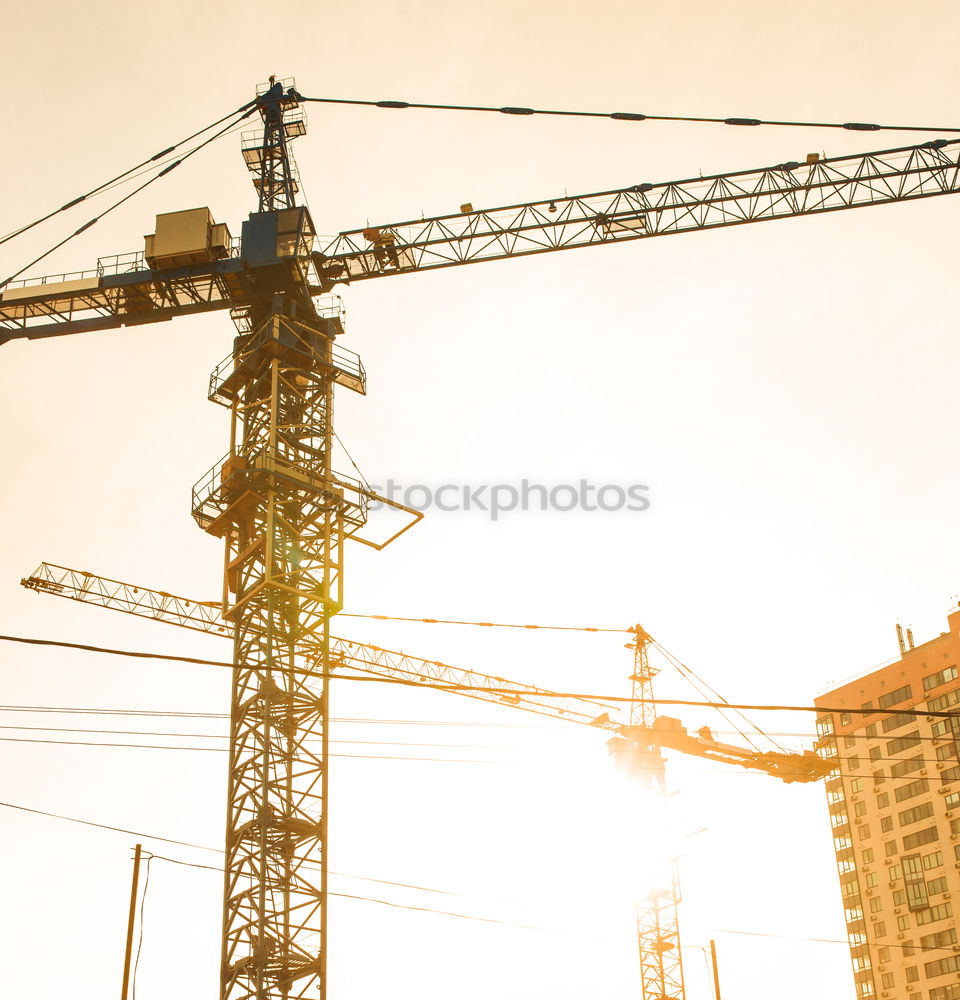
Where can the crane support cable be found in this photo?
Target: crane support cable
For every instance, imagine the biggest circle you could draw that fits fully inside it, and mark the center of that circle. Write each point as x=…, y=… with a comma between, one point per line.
x=126, y=173
x=235, y=118
x=632, y=116
x=320, y=675
x=451, y=621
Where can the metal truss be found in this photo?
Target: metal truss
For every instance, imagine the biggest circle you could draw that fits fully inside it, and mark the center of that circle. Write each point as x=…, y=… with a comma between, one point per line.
x=658, y=941
x=283, y=520
x=345, y=654
x=646, y=210
x=122, y=294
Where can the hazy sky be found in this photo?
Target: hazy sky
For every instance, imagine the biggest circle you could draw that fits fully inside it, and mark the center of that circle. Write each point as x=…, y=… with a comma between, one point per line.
x=786, y=391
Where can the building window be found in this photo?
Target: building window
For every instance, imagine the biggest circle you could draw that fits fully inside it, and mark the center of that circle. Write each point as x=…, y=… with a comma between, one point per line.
x=883, y=954
x=913, y=974
x=863, y=832
x=886, y=824
x=859, y=808
x=942, y=966
x=942, y=939
x=868, y=856
x=932, y=681
x=936, y=885
x=892, y=722
x=899, y=897
x=871, y=730
x=871, y=879
x=952, y=800
x=947, y=750
x=914, y=882
x=902, y=743
x=920, y=838
x=945, y=727
x=949, y=776
x=856, y=786
x=886, y=980
x=939, y=912
x=890, y=848
x=883, y=800
x=951, y=992
x=934, y=860
x=943, y=701
x=908, y=791
x=845, y=719
x=955, y=826
x=853, y=763
x=917, y=813
x=875, y=753
x=876, y=904
x=903, y=923
x=893, y=873
x=893, y=697
x=904, y=767
x=825, y=725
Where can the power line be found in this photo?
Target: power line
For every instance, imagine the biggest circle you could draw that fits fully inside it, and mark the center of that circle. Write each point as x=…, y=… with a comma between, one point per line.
x=341, y=895
x=225, y=736
x=423, y=683
x=630, y=116
x=155, y=746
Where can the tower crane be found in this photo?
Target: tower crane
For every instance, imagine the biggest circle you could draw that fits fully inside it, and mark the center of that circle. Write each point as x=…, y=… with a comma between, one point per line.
x=637, y=741
x=282, y=511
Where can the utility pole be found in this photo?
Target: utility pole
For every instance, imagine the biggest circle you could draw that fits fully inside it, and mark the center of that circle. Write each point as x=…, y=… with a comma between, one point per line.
x=716, y=971
x=131, y=920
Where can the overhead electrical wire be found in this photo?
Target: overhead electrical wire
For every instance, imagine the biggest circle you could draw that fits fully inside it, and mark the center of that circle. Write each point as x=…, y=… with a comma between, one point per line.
x=630, y=116
x=823, y=709
x=156, y=746
x=341, y=895
x=226, y=736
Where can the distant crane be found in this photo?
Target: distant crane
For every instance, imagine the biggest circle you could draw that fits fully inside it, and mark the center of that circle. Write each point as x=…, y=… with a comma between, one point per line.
x=636, y=742
x=285, y=514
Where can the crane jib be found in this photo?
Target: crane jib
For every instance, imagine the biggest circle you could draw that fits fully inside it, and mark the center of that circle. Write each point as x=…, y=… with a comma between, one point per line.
x=125, y=291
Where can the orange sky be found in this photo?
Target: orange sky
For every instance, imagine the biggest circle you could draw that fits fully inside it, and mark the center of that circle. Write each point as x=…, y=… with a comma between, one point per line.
x=787, y=391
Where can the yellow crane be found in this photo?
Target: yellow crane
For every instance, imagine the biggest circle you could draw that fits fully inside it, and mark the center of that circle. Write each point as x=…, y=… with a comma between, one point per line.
x=282, y=510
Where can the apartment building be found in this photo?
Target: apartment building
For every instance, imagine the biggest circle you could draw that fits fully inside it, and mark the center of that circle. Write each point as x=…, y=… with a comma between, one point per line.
x=894, y=802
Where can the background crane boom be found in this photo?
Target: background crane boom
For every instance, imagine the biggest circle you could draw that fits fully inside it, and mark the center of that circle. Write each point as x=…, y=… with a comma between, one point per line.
x=633, y=742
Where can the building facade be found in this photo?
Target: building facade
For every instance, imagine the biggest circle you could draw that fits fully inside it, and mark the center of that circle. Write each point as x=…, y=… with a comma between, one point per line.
x=894, y=803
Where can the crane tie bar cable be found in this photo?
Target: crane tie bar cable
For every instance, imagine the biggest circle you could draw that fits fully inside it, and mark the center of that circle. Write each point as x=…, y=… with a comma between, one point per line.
x=630, y=116
x=126, y=173
x=447, y=621
x=235, y=116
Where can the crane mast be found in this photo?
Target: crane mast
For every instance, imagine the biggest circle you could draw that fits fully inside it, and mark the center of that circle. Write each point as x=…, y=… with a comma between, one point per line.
x=658, y=926
x=273, y=501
